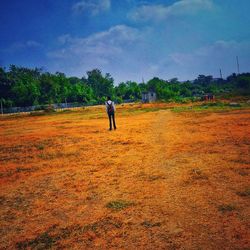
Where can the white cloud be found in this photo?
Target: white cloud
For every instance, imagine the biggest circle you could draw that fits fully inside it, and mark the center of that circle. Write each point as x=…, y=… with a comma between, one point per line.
x=93, y=7
x=100, y=50
x=128, y=53
x=161, y=12
x=109, y=42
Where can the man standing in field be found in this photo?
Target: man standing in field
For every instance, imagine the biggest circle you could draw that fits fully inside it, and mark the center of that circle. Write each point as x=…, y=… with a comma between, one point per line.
x=110, y=108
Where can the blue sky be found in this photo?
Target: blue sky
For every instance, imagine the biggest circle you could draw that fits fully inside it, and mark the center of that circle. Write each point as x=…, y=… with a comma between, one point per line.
x=131, y=39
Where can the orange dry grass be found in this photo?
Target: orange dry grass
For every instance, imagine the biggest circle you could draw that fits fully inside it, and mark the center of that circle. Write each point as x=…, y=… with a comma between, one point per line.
x=163, y=180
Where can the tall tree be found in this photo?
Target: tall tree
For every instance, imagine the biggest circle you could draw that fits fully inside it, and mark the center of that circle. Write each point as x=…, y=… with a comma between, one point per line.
x=102, y=85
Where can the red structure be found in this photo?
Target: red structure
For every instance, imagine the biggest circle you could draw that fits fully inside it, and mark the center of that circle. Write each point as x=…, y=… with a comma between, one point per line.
x=208, y=97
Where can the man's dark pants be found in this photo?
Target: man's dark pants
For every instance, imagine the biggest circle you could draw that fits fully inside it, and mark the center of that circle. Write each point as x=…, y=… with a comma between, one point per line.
x=111, y=116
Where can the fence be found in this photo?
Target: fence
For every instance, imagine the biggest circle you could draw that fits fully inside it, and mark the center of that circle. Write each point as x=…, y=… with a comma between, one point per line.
x=56, y=106
x=41, y=107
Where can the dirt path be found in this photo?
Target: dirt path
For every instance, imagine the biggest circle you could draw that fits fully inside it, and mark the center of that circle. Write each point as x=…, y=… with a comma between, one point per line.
x=197, y=184
x=180, y=188
x=163, y=180
x=201, y=182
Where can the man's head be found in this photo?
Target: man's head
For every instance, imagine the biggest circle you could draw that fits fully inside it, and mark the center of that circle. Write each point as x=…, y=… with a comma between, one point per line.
x=108, y=98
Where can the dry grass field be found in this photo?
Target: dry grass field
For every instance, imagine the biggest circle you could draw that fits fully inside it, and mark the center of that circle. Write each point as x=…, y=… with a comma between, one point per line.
x=168, y=178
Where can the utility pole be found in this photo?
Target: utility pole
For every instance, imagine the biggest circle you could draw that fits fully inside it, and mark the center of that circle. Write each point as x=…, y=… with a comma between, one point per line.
x=66, y=102
x=1, y=101
x=220, y=74
x=238, y=66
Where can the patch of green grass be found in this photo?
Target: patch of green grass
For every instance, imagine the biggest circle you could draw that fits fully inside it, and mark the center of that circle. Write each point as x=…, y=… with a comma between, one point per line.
x=42, y=241
x=119, y=204
x=150, y=109
x=149, y=224
x=210, y=106
x=181, y=109
x=226, y=208
x=40, y=146
x=213, y=104
x=50, y=239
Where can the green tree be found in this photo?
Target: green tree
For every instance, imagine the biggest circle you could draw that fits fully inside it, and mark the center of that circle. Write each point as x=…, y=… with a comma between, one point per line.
x=102, y=85
x=5, y=86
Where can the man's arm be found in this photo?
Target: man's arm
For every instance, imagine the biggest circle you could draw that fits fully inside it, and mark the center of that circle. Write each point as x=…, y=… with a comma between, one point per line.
x=114, y=106
x=106, y=107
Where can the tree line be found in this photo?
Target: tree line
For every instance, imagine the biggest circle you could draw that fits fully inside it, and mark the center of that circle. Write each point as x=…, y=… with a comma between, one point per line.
x=20, y=86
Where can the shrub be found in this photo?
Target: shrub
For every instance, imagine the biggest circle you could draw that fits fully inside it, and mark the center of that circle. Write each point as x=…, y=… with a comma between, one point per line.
x=118, y=204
